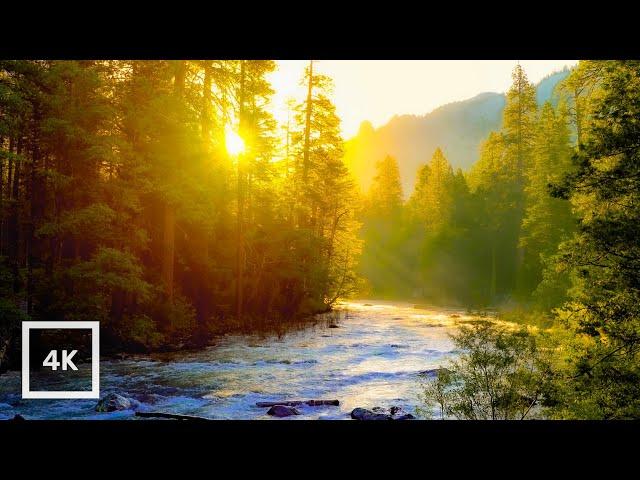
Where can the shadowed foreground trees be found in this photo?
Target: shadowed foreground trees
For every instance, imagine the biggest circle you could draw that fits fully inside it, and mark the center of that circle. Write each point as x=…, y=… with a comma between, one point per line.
x=117, y=198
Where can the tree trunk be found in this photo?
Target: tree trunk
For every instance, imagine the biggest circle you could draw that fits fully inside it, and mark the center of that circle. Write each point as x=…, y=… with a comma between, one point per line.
x=578, y=109
x=37, y=193
x=169, y=236
x=168, y=251
x=13, y=222
x=9, y=195
x=206, y=105
x=240, y=194
x=1, y=199
x=492, y=292
x=294, y=403
x=307, y=125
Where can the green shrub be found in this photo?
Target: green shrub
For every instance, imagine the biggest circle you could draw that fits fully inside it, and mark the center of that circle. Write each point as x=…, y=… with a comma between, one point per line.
x=502, y=373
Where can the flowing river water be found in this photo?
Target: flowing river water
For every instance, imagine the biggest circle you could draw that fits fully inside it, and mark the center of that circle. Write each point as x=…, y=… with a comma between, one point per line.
x=373, y=358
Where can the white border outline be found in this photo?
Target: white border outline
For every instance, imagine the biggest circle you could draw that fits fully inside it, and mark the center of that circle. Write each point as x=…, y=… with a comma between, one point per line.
x=95, y=360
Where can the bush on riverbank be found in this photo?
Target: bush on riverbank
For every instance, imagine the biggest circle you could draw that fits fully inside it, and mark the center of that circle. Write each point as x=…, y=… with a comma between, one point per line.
x=502, y=374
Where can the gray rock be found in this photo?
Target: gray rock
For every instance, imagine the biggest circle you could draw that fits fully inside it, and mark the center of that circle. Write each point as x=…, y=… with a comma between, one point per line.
x=379, y=413
x=406, y=416
x=364, y=414
x=397, y=413
x=115, y=401
x=282, y=411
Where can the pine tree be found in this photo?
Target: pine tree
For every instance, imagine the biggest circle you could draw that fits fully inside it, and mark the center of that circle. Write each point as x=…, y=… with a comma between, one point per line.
x=494, y=189
x=518, y=126
x=580, y=89
x=385, y=194
x=605, y=254
x=547, y=220
x=518, y=123
x=326, y=195
x=431, y=201
x=381, y=231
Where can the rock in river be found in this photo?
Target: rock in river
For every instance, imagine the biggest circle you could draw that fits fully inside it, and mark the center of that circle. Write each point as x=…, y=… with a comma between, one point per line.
x=115, y=401
x=377, y=413
x=397, y=413
x=364, y=414
x=282, y=411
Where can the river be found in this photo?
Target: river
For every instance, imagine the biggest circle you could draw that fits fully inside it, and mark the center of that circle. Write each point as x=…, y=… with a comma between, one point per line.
x=372, y=359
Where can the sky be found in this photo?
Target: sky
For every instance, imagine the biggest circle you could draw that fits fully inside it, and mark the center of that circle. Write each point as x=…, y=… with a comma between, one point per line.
x=376, y=90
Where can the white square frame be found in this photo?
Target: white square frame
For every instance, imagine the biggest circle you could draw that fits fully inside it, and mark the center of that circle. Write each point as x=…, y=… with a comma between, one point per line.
x=95, y=360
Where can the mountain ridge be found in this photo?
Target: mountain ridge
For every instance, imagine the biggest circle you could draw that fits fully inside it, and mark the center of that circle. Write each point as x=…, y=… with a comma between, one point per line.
x=458, y=128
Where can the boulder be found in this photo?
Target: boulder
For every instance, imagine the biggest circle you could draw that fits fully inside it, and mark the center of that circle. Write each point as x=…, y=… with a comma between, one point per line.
x=406, y=416
x=282, y=411
x=379, y=413
x=115, y=401
x=397, y=413
x=364, y=414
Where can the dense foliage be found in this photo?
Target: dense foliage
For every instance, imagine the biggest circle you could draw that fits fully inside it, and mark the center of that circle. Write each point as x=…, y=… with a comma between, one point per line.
x=502, y=374
x=482, y=238
x=120, y=203
x=578, y=230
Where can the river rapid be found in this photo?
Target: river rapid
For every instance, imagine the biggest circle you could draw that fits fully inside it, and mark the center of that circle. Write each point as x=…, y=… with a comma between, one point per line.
x=373, y=358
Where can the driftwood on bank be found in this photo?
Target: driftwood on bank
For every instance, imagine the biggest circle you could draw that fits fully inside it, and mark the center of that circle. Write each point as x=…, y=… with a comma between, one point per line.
x=173, y=416
x=293, y=403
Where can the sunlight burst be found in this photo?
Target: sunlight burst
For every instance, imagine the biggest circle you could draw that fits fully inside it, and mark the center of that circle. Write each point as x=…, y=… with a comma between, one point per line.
x=234, y=142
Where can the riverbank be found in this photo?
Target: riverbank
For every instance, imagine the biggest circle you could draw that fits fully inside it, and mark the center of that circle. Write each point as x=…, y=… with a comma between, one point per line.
x=114, y=346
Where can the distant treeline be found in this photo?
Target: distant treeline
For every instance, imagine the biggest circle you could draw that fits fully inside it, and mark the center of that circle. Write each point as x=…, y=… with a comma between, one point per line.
x=482, y=238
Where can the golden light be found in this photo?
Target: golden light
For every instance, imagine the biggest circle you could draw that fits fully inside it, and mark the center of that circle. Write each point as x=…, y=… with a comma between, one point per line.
x=233, y=142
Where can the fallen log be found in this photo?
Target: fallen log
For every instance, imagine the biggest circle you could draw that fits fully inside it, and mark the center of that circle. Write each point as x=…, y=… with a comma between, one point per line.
x=173, y=416
x=293, y=403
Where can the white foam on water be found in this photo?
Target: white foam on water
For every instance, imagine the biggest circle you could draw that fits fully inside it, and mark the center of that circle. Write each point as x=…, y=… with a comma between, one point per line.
x=373, y=359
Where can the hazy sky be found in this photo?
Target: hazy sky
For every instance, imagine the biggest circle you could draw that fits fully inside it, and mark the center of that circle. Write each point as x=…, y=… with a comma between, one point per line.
x=376, y=90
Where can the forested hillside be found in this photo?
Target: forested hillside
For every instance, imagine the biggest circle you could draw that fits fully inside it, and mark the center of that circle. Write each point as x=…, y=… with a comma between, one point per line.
x=154, y=196
x=485, y=237
x=457, y=128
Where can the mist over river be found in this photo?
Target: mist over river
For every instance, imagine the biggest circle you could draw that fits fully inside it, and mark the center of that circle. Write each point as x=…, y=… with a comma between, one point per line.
x=373, y=358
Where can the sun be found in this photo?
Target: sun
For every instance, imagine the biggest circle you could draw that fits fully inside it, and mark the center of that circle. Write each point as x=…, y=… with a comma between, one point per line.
x=233, y=141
